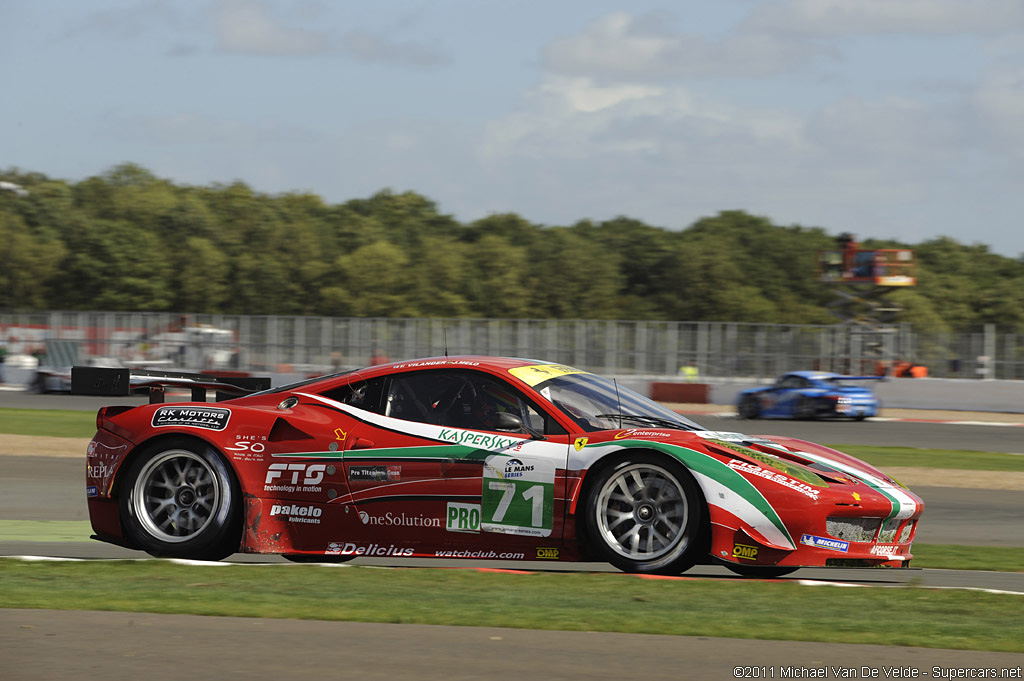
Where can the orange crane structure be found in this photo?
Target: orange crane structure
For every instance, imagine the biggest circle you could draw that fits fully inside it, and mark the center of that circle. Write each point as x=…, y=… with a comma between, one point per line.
x=861, y=280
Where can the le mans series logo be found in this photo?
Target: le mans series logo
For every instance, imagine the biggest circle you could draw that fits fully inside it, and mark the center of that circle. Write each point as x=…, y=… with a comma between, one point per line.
x=210, y=418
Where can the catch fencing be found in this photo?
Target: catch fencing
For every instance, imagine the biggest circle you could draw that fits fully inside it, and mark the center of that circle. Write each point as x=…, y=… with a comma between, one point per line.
x=312, y=345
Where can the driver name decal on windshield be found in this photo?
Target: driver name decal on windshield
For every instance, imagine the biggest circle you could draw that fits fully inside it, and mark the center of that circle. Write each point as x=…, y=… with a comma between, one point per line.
x=538, y=373
x=633, y=432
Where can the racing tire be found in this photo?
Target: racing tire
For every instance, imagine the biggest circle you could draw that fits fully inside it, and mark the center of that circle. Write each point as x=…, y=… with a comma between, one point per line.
x=749, y=408
x=179, y=499
x=306, y=558
x=760, y=571
x=804, y=409
x=644, y=514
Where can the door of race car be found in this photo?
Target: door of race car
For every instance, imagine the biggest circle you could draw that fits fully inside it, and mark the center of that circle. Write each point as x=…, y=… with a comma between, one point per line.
x=781, y=399
x=429, y=458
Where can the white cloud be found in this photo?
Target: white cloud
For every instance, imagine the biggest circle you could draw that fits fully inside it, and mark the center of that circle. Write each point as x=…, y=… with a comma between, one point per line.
x=839, y=17
x=620, y=46
x=371, y=47
x=247, y=27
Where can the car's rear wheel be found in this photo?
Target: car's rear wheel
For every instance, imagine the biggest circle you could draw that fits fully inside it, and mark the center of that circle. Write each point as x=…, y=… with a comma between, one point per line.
x=750, y=407
x=179, y=499
x=760, y=571
x=644, y=514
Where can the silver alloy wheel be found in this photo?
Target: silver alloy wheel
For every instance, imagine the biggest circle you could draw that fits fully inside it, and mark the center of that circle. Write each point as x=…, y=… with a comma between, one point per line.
x=176, y=495
x=642, y=512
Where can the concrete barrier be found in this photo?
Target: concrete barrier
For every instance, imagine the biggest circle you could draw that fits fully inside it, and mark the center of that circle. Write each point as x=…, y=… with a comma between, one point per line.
x=954, y=394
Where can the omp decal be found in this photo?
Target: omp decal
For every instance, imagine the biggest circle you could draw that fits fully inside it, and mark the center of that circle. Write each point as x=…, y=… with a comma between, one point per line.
x=547, y=553
x=538, y=373
x=722, y=486
x=744, y=551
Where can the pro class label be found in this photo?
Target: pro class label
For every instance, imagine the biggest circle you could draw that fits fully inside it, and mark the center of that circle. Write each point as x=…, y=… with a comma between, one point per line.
x=210, y=418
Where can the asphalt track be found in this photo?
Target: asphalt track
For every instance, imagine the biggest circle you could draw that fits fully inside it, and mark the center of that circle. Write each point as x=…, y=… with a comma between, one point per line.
x=54, y=644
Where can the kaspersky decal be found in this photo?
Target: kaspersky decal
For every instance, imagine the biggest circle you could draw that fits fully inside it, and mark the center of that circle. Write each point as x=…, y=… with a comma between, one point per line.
x=722, y=486
x=903, y=505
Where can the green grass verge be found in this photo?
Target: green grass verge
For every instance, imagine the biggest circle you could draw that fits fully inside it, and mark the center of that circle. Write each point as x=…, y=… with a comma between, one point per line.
x=51, y=422
x=883, y=457
x=570, y=602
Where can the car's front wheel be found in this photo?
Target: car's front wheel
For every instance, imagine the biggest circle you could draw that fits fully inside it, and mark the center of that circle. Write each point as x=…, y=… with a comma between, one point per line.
x=644, y=514
x=179, y=499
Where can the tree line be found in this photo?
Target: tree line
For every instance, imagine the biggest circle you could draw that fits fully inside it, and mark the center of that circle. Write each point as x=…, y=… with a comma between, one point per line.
x=127, y=240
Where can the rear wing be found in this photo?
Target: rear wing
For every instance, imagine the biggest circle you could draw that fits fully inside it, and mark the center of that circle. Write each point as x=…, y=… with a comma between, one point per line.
x=121, y=382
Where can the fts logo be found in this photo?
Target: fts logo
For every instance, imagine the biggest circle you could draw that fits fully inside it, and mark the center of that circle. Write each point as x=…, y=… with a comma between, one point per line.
x=285, y=477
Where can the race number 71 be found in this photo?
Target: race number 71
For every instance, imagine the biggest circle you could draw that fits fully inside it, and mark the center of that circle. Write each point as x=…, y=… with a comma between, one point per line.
x=517, y=507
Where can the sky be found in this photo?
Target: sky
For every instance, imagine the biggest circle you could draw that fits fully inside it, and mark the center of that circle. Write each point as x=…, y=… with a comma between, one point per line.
x=888, y=119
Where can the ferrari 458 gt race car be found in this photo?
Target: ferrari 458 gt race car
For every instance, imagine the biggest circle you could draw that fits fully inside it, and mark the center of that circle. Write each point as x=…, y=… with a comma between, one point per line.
x=474, y=457
x=810, y=395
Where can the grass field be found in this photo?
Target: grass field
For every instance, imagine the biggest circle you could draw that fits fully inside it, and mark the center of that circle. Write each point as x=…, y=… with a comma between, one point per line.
x=573, y=602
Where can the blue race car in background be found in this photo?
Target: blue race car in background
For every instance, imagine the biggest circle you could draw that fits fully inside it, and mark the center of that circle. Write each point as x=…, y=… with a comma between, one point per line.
x=810, y=395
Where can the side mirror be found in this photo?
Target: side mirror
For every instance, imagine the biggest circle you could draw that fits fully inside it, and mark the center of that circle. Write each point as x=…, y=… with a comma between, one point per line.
x=504, y=420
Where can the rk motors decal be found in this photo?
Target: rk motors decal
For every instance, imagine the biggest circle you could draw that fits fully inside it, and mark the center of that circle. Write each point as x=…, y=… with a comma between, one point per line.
x=210, y=418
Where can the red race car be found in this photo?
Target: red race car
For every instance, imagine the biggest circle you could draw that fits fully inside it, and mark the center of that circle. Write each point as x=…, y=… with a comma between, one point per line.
x=473, y=457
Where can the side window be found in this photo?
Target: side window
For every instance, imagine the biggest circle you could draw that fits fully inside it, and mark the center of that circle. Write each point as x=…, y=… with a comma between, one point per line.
x=361, y=394
x=460, y=399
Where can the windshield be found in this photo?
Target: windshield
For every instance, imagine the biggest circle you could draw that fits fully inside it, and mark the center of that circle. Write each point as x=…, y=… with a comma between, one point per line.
x=594, y=404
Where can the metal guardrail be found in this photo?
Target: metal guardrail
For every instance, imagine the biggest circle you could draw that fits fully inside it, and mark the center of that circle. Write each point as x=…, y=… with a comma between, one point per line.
x=250, y=343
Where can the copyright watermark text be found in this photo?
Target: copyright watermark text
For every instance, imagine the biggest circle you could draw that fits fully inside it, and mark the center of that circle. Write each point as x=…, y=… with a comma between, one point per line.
x=880, y=672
